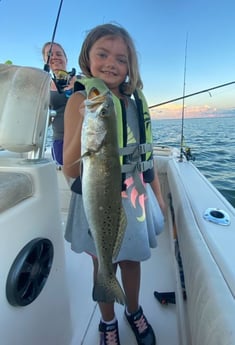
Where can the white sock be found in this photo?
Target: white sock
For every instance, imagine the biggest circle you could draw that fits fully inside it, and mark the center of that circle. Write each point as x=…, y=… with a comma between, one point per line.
x=131, y=313
x=109, y=322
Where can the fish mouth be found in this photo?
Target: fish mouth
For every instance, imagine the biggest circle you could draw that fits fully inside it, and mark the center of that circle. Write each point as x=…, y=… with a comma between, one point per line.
x=97, y=100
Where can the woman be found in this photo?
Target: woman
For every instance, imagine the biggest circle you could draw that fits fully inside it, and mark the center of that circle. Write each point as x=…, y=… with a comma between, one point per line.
x=58, y=98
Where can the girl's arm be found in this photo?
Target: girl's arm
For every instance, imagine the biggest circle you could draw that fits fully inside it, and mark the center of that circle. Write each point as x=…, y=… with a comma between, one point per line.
x=73, y=118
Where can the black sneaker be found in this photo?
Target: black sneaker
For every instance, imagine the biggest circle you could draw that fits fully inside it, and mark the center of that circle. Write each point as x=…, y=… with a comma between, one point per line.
x=142, y=329
x=109, y=334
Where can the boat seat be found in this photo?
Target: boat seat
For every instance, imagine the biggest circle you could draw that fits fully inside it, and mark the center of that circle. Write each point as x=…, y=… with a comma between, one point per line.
x=14, y=187
x=24, y=104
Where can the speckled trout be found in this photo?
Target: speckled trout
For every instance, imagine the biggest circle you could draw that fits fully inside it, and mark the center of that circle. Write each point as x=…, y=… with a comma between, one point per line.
x=101, y=189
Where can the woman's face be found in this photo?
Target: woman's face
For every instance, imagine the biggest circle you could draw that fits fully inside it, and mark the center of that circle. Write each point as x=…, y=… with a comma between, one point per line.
x=58, y=60
x=109, y=61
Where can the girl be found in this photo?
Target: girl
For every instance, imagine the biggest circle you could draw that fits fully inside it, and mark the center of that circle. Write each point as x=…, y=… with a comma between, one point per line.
x=108, y=53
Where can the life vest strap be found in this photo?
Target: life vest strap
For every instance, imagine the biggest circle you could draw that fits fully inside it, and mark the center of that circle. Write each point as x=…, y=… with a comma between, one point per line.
x=144, y=148
x=135, y=168
x=146, y=165
x=139, y=166
x=130, y=149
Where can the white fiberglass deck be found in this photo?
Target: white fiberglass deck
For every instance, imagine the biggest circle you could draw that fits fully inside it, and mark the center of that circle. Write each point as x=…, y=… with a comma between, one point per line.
x=85, y=313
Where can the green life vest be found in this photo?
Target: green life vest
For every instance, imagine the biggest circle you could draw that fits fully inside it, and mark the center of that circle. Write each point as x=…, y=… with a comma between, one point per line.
x=145, y=147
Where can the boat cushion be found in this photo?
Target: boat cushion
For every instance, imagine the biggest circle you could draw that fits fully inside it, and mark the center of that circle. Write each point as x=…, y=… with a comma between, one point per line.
x=14, y=187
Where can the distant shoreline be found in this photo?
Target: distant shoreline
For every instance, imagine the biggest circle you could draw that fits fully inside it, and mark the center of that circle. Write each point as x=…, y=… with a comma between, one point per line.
x=156, y=118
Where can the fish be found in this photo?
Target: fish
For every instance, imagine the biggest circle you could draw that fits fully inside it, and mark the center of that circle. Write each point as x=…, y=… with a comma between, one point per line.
x=101, y=189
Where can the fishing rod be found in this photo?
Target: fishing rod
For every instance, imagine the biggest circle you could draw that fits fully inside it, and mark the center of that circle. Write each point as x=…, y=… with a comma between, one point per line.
x=183, y=97
x=46, y=66
x=61, y=78
x=191, y=94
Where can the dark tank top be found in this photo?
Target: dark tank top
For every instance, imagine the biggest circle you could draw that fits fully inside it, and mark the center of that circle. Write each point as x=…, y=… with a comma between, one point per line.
x=58, y=102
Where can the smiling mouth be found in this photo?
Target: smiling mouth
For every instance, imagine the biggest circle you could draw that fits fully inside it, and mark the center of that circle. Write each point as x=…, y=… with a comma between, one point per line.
x=110, y=73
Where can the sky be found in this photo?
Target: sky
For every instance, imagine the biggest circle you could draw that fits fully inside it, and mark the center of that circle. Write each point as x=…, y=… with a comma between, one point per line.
x=160, y=30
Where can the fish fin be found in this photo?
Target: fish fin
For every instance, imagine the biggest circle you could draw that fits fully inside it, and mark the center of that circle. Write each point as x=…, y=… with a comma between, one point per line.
x=120, y=234
x=77, y=161
x=86, y=154
x=108, y=290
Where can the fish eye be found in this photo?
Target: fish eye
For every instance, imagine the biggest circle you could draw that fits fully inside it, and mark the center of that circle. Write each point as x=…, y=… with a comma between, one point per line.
x=103, y=112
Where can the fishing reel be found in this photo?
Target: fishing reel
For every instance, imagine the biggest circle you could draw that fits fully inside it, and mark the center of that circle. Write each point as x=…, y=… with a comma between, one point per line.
x=188, y=154
x=62, y=79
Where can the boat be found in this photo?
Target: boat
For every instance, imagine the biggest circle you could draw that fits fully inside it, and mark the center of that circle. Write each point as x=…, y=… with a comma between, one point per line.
x=188, y=285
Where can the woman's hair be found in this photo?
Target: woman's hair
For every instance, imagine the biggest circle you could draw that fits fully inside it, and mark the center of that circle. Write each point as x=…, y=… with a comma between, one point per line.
x=112, y=30
x=54, y=43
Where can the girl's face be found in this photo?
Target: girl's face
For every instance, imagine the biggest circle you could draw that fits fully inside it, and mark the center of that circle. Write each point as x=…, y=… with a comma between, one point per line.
x=58, y=60
x=109, y=61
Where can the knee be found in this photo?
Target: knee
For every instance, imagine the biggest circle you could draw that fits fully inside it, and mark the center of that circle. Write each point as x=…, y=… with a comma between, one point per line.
x=129, y=265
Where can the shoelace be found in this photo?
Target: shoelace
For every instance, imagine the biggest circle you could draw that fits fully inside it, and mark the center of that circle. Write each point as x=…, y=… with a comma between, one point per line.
x=111, y=337
x=141, y=324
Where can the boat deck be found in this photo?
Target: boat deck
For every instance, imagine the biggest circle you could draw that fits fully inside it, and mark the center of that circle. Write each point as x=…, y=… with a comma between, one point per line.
x=85, y=313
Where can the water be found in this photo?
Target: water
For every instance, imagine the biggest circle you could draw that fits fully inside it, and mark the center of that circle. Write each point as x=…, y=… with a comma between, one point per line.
x=212, y=142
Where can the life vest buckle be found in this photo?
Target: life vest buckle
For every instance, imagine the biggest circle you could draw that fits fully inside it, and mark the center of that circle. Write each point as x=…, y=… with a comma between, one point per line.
x=144, y=148
x=145, y=165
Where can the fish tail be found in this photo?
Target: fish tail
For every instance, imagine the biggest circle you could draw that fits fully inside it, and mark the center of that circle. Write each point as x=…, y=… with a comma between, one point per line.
x=108, y=290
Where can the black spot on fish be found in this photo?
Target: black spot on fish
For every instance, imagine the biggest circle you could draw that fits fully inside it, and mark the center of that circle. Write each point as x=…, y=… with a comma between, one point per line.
x=89, y=232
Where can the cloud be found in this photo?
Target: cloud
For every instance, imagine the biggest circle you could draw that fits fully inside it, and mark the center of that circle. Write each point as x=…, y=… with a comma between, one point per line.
x=172, y=111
